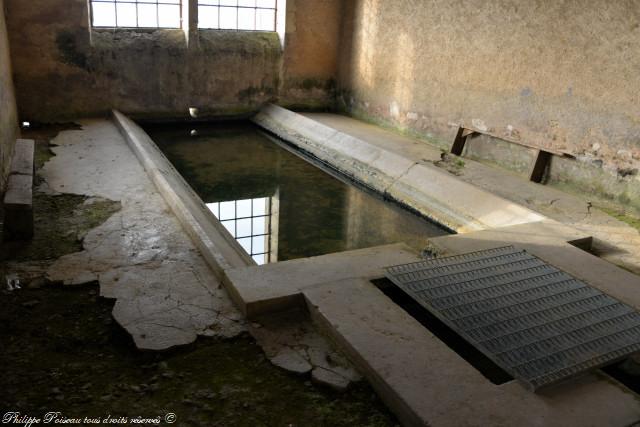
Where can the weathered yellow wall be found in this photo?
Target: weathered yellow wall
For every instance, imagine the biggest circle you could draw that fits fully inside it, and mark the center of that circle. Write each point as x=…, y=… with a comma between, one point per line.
x=310, y=64
x=562, y=74
x=8, y=116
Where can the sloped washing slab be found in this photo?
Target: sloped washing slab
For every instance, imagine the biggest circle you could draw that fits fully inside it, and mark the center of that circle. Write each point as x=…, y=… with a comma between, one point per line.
x=536, y=322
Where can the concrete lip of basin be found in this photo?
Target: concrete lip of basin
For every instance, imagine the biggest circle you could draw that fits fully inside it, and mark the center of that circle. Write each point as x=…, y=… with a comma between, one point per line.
x=425, y=188
x=418, y=376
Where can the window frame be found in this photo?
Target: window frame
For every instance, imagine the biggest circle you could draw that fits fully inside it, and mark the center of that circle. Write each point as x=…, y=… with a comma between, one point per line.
x=237, y=7
x=267, y=215
x=178, y=3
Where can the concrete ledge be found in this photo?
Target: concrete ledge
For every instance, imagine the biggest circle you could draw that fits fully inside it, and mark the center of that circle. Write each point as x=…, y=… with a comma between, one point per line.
x=18, y=208
x=220, y=250
x=431, y=191
x=22, y=162
x=276, y=287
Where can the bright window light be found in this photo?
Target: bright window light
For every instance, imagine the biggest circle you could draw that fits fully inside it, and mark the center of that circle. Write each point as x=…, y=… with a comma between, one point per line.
x=242, y=15
x=136, y=13
x=248, y=221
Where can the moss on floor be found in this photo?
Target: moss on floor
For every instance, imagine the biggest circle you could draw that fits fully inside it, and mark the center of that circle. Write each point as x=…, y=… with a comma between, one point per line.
x=59, y=223
x=622, y=215
x=65, y=353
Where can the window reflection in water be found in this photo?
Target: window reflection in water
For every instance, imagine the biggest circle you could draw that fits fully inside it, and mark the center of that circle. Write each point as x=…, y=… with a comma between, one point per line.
x=251, y=223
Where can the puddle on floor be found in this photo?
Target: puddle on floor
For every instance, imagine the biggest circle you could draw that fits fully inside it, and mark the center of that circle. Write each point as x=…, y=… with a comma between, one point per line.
x=277, y=205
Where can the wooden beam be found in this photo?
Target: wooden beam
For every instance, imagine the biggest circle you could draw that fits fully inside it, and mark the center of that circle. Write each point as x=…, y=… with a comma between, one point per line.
x=458, y=143
x=540, y=166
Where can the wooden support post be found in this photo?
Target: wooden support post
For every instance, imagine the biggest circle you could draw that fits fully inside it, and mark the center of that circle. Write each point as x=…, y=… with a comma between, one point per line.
x=540, y=166
x=458, y=143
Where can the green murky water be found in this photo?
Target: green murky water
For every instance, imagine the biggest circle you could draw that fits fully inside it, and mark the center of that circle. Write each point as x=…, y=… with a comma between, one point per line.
x=277, y=205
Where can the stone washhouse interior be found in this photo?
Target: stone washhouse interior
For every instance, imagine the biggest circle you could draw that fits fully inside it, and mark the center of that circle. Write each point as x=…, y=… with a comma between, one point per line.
x=320, y=213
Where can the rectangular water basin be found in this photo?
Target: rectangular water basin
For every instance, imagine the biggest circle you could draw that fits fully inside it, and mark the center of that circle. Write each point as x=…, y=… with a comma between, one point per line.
x=276, y=204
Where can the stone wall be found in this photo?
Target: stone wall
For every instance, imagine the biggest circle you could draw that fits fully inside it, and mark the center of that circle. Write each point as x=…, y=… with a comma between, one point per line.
x=8, y=115
x=560, y=74
x=63, y=70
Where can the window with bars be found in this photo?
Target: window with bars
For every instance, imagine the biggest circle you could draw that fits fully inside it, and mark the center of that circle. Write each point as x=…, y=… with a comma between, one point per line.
x=136, y=13
x=248, y=221
x=244, y=15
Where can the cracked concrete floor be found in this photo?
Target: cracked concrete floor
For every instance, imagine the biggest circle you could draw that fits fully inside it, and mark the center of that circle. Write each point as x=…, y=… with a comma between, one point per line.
x=165, y=293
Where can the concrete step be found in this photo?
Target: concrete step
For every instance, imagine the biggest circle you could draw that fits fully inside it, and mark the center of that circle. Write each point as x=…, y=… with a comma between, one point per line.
x=18, y=208
x=22, y=162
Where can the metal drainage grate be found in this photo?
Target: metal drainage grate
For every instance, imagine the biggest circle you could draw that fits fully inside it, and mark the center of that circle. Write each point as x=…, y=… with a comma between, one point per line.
x=536, y=322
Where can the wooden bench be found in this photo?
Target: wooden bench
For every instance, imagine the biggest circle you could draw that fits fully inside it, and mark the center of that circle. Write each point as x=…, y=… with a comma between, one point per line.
x=543, y=155
x=18, y=199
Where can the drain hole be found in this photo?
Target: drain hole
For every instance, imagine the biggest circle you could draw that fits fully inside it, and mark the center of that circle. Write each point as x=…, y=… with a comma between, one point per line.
x=468, y=352
x=626, y=372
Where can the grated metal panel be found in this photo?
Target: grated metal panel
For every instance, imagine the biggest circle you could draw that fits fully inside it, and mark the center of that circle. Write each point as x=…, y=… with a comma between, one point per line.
x=538, y=323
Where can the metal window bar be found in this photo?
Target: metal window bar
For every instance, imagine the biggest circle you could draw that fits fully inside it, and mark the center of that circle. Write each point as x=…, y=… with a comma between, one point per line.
x=137, y=2
x=267, y=216
x=237, y=8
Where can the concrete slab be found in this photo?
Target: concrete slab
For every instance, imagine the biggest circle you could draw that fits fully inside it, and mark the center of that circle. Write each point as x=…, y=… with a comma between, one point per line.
x=398, y=175
x=411, y=148
x=19, y=191
x=457, y=204
x=276, y=287
x=427, y=383
x=22, y=160
x=165, y=293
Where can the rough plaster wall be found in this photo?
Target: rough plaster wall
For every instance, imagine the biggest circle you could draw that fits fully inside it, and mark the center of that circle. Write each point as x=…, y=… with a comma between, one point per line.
x=561, y=74
x=60, y=73
x=310, y=65
x=8, y=115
